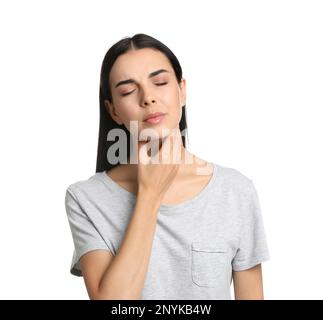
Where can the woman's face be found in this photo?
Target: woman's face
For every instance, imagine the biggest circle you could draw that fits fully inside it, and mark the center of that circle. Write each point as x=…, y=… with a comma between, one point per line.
x=145, y=93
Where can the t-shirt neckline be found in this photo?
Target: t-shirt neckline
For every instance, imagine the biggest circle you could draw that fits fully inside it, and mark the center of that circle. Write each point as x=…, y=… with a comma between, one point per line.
x=163, y=207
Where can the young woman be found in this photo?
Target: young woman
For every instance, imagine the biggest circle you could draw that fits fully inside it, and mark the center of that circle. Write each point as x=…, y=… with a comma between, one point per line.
x=169, y=225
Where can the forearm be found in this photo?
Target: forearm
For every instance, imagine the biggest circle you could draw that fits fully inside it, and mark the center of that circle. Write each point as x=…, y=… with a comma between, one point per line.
x=125, y=277
x=248, y=284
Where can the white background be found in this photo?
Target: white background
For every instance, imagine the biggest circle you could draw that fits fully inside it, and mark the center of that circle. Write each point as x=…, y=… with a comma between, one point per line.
x=254, y=75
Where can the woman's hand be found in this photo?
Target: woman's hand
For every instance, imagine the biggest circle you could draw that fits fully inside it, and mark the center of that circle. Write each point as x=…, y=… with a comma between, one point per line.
x=156, y=173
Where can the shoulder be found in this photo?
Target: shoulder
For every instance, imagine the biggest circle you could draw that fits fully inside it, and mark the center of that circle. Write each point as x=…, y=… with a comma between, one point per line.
x=239, y=189
x=86, y=186
x=235, y=180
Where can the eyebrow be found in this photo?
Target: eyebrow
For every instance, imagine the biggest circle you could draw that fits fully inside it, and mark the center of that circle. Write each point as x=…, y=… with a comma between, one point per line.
x=152, y=74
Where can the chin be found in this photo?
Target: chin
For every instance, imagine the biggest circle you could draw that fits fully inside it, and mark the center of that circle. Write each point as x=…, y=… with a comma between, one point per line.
x=159, y=133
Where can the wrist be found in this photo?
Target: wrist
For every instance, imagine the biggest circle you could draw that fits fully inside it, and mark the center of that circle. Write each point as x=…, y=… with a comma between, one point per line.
x=150, y=195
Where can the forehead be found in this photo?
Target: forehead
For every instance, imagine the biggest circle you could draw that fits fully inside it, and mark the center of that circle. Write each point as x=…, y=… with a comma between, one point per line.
x=138, y=64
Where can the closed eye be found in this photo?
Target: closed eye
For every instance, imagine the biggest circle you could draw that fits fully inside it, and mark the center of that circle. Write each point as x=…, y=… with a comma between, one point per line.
x=157, y=84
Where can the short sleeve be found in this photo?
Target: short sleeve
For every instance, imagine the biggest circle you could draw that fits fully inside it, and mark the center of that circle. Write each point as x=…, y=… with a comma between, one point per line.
x=253, y=248
x=85, y=235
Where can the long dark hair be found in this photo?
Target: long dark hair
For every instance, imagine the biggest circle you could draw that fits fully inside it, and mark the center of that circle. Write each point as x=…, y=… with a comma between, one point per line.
x=138, y=41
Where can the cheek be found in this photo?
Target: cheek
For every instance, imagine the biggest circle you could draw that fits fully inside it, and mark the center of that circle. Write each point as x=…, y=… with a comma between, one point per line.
x=170, y=99
x=174, y=107
x=171, y=96
x=177, y=116
x=128, y=111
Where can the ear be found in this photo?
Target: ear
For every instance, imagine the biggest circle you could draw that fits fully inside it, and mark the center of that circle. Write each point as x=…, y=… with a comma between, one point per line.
x=183, y=92
x=112, y=111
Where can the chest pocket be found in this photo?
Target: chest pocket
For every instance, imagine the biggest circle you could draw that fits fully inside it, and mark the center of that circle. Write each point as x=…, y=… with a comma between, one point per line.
x=209, y=264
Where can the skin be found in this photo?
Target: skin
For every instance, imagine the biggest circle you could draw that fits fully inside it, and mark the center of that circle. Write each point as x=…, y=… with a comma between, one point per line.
x=145, y=97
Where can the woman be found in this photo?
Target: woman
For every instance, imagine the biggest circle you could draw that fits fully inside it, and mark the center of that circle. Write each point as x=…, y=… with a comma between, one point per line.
x=155, y=221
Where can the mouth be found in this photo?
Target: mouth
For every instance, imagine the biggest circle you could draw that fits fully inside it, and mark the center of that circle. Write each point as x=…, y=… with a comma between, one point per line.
x=156, y=119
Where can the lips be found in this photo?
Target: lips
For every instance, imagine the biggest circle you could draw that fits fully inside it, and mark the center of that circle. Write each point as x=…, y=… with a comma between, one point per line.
x=154, y=115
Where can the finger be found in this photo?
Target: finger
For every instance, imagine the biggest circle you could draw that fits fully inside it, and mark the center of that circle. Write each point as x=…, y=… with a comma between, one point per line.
x=171, y=146
x=165, y=149
x=143, y=156
x=177, y=147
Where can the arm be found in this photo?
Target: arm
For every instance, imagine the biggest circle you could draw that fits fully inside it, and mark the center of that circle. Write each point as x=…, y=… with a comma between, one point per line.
x=123, y=276
x=248, y=284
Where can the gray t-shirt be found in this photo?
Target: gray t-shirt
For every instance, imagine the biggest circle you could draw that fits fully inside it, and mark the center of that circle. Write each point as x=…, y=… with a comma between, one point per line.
x=197, y=243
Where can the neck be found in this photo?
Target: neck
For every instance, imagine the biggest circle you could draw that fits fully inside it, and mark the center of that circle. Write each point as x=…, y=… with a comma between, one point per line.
x=187, y=165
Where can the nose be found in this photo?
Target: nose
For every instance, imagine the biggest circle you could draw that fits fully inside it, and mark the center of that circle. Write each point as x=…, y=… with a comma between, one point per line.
x=147, y=99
